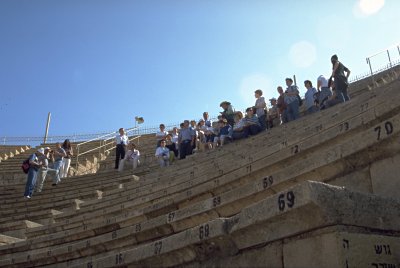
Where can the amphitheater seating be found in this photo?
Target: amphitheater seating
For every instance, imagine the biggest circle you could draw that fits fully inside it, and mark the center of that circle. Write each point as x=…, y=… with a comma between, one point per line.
x=222, y=207
x=9, y=151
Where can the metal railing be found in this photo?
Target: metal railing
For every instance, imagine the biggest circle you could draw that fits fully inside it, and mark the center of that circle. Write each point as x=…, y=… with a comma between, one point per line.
x=104, y=141
x=388, y=66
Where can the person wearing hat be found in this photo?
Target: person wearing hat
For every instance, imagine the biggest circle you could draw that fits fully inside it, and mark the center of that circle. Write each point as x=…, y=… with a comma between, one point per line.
x=260, y=108
x=340, y=79
x=228, y=113
x=48, y=154
x=34, y=165
x=273, y=114
x=291, y=100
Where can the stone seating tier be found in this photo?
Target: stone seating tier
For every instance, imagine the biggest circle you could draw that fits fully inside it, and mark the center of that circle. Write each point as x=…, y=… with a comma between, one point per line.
x=303, y=208
x=171, y=204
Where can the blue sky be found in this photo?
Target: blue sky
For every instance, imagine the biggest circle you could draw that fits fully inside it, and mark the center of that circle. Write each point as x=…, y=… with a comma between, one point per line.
x=95, y=65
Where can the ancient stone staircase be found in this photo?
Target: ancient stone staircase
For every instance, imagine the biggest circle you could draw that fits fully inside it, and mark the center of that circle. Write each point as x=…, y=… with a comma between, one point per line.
x=267, y=201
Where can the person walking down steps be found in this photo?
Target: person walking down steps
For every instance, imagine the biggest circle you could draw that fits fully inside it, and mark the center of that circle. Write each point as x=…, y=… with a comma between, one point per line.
x=122, y=141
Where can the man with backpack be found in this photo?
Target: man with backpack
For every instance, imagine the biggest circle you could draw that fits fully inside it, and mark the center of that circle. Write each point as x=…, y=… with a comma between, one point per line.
x=34, y=165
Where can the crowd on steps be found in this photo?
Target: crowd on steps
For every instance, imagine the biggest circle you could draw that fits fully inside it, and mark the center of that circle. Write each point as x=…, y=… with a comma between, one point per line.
x=206, y=134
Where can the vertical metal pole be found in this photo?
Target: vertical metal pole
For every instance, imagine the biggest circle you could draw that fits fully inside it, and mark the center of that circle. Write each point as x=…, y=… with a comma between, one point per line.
x=398, y=49
x=370, y=68
x=294, y=79
x=390, y=62
x=47, y=128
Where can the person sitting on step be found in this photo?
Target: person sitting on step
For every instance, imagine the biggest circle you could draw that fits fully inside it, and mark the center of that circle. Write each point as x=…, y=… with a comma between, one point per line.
x=252, y=125
x=162, y=154
x=131, y=156
x=224, y=134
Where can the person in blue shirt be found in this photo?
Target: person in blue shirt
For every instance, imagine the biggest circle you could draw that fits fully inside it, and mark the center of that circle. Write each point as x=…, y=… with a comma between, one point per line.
x=34, y=166
x=162, y=154
x=225, y=132
x=310, y=97
x=252, y=124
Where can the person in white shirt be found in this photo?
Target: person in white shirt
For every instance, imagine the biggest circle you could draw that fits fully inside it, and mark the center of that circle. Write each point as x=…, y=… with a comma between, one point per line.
x=260, y=108
x=175, y=137
x=160, y=135
x=324, y=91
x=162, y=154
x=132, y=156
x=122, y=141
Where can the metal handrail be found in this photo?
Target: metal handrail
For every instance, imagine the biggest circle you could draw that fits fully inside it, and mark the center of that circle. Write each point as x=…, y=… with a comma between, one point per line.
x=102, y=144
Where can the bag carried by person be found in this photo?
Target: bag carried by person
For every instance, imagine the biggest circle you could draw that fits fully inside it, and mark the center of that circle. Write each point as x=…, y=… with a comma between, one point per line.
x=300, y=100
x=25, y=166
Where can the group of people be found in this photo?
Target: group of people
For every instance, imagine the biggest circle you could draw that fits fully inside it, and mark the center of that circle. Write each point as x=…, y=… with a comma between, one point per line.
x=48, y=162
x=125, y=152
x=233, y=125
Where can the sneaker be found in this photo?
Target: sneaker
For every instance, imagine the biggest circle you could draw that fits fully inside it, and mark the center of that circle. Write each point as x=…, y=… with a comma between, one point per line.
x=28, y=197
x=54, y=184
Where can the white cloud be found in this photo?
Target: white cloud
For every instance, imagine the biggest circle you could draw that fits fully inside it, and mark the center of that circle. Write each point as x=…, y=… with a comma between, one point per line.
x=251, y=83
x=302, y=54
x=364, y=8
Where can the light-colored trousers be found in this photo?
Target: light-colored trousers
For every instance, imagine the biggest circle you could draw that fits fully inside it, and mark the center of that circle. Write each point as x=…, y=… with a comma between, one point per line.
x=65, y=167
x=41, y=177
x=135, y=162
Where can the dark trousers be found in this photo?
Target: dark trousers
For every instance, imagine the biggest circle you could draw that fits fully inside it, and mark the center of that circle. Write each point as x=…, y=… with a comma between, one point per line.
x=342, y=86
x=185, y=148
x=119, y=154
x=263, y=123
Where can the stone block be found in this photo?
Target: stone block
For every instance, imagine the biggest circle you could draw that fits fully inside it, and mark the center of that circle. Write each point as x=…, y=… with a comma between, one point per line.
x=308, y=206
x=385, y=177
x=343, y=249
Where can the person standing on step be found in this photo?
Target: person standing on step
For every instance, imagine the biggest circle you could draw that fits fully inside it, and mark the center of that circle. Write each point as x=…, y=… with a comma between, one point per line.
x=273, y=114
x=67, y=160
x=291, y=100
x=34, y=165
x=59, y=154
x=282, y=105
x=207, y=120
x=186, y=140
x=324, y=91
x=122, y=141
x=260, y=108
x=340, y=79
x=45, y=169
x=309, y=97
x=160, y=135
